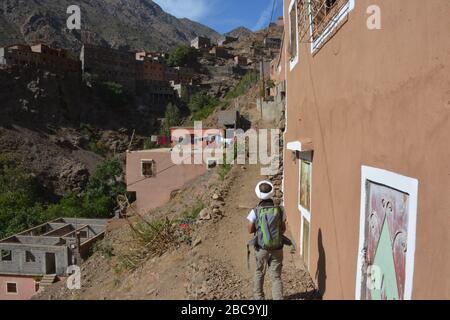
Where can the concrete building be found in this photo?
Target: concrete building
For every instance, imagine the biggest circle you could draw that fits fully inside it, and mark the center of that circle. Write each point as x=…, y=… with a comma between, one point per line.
x=280, y=21
x=272, y=43
x=110, y=65
x=160, y=92
x=229, y=119
x=366, y=182
x=240, y=61
x=149, y=67
x=226, y=40
x=40, y=56
x=183, y=91
x=272, y=105
x=201, y=43
x=153, y=177
x=152, y=55
x=46, y=250
x=179, y=75
x=219, y=52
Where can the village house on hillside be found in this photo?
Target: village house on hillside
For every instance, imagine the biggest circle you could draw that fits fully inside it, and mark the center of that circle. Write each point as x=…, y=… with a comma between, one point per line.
x=153, y=176
x=224, y=40
x=201, y=43
x=40, y=56
x=110, y=65
x=35, y=258
x=366, y=146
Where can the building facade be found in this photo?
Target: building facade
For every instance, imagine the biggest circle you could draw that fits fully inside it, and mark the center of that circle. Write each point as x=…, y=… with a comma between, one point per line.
x=201, y=43
x=110, y=65
x=366, y=145
x=219, y=52
x=40, y=56
x=226, y=40
x=48, y=249
x=240, y=61
x=272, y=43
x=179, y=75
x=152, y=176
x=148, y=69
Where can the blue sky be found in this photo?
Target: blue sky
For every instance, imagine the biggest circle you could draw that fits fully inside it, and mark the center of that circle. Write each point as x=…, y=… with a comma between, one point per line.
x=224, y=15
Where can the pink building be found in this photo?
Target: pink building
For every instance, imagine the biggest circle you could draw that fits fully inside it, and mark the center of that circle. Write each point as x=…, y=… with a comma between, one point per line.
x=153, y=176
x=18, y=287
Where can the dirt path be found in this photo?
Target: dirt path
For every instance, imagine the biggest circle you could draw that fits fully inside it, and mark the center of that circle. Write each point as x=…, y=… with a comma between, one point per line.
x=226, y=241
x=214, y=267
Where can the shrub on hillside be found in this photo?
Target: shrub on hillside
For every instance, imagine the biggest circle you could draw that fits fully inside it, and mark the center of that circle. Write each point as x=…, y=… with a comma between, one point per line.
x=247, y=81
x=202, y=105
x=113, y=94
x=182, y=56
x=172, y=118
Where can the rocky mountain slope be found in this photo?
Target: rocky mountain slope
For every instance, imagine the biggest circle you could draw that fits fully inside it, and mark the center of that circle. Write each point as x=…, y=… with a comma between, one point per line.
x=61, y=128
x=133, y=24
x=240, y=32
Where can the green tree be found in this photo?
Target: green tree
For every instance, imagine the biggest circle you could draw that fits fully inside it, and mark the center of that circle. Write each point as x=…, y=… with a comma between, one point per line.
x=202, y=105
x=70, y=206
x=21, y=206
x=102, y=190
x=243, y=86
x=182, y=56
x=99, y=198
x=113, y=94
x=172, y=118
x=19, y=198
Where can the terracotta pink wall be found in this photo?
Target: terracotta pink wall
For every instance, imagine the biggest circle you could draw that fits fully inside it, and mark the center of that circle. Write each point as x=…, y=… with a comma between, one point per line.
x=154, y=192
x=381, y=99
x=25, y=288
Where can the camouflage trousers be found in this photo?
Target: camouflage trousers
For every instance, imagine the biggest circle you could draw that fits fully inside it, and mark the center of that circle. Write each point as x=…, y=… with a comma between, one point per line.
x=273, y=262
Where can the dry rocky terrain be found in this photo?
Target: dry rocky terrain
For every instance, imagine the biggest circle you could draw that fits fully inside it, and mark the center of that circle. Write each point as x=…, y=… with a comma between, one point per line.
x=208, y=262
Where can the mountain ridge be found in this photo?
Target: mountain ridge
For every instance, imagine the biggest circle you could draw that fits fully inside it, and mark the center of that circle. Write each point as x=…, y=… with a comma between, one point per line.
x=129, y=24
x=240, y=32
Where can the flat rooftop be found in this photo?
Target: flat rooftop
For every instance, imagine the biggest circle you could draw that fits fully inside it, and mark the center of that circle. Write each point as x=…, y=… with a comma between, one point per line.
x=56, y=232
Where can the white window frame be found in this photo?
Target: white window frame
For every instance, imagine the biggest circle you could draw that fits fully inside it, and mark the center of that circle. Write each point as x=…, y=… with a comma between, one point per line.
x=142, y=167
x=334, y=23
x=292, y=6
x=403, y=184
x=11, y=293
x=304, y=213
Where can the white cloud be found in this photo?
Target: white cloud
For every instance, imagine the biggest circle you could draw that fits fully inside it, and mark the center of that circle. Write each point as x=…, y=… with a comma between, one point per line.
x=191, y=9
x=265, y=16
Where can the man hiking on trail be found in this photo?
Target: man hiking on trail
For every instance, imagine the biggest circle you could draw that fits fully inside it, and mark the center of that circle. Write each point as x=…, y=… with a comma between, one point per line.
x=268, y=224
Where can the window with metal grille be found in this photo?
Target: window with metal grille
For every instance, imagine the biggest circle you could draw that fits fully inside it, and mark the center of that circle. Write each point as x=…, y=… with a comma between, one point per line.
x=323, y=12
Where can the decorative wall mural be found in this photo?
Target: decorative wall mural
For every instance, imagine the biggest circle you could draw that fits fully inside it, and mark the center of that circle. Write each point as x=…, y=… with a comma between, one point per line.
x=387, y=236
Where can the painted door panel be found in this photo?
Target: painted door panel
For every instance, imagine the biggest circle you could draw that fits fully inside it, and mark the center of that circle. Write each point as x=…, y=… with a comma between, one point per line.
x=386, y=238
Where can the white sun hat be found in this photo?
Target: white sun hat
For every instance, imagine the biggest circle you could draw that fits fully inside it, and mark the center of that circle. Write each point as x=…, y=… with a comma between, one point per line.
x=261, y=195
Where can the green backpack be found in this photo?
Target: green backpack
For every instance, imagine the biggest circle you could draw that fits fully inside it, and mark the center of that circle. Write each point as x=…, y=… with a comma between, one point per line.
x=269, y=228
